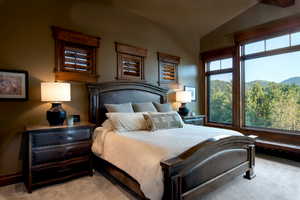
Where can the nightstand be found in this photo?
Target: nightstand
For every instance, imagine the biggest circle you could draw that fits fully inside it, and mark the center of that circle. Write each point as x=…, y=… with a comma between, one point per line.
x=195, y=120
x=56, y=153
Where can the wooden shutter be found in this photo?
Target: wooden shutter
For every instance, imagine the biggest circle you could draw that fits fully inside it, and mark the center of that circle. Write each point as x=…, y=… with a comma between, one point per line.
x=75, y=55
x=168, y=68
x=77, y=59
x=130, y=62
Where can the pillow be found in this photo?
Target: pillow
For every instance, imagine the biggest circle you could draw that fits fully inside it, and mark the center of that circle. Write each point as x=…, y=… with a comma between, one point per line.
x=124, y=108
x=156, y=121
x=144, y=107
x=127, y=121
x=166, y=107
x=107, y=125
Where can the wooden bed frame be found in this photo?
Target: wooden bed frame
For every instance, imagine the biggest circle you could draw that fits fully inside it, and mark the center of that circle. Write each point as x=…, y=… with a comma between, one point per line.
x=194, y=172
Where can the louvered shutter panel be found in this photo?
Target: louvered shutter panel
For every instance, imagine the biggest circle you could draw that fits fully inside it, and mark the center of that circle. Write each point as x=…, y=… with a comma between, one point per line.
x=168, y=72
x=130, y=62
x=77, y=59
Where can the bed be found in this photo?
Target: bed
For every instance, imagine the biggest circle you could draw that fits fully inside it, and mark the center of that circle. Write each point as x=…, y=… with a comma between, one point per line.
x=187, y=175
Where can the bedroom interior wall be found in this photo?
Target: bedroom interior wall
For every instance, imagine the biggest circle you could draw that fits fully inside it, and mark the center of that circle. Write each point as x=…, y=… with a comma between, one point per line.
x=26, y=43
x=258, y=14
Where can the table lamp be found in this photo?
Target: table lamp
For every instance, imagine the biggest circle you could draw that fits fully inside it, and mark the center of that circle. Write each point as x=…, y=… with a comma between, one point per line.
x=56, y=93
x=183, y=97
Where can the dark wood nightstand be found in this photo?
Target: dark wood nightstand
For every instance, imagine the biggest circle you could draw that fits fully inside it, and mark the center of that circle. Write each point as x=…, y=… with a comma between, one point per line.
x=56, y=153
x=195, y=120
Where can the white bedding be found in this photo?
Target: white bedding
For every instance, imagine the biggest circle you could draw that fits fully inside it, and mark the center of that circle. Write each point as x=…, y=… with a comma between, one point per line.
x=139, y=153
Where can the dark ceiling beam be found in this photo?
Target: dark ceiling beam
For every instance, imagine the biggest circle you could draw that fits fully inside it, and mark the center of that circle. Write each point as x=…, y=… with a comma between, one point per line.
x=280, y=3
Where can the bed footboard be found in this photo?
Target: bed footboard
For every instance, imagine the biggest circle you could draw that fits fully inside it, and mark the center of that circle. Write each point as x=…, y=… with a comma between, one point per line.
x=208, y=165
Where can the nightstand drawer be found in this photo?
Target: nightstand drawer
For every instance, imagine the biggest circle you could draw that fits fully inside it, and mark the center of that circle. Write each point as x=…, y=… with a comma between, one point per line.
x=194, y=121
x=60, y=172
x=60, y=136
x=60, y=152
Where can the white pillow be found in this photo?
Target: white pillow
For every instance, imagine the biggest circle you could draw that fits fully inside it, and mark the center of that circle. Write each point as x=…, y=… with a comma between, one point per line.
x=127, y=121
x=107, y=125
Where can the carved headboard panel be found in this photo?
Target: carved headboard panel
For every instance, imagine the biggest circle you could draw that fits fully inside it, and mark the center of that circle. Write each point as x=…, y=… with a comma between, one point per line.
x=118, y=92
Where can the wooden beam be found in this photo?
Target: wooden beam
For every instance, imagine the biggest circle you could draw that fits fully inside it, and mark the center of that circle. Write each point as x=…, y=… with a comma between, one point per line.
x=280, y=3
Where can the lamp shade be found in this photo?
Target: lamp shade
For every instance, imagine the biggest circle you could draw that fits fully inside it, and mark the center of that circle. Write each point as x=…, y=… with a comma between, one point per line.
x=55, y=92
x=183, y=96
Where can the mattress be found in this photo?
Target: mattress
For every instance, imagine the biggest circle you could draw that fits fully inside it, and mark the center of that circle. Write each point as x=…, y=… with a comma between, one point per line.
x=139, y=153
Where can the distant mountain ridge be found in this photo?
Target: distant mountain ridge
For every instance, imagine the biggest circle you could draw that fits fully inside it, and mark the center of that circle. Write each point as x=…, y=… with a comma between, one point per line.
x=291, y=81
x=261, y=82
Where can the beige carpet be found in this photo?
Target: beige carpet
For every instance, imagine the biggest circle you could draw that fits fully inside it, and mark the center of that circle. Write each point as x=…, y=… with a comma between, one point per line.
x=277, y=179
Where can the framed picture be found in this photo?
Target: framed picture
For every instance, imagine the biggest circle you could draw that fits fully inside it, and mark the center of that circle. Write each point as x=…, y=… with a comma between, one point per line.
x=13, y=85
x=192, y=90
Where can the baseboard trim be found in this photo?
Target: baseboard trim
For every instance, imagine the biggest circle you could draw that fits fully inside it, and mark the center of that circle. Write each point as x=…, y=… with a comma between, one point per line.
x=10, y=179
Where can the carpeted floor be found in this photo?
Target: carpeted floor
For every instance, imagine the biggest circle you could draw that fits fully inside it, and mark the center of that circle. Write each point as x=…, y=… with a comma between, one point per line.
x=277, y=179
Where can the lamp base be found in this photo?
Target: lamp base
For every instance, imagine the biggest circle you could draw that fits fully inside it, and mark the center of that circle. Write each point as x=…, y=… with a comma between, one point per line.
x=183, y=111
x=56, y=115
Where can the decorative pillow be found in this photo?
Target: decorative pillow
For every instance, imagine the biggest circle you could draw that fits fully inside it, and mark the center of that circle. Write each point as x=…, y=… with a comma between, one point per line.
x=127, y=121
x=167, y=120
x=123, y=108
x=144, y=107
x=166, y=107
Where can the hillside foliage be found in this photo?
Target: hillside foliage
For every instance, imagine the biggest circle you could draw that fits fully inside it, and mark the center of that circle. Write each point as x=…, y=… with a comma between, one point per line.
x=267, y=105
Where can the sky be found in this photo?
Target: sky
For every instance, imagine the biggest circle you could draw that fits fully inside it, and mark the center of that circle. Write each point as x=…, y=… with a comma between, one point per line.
x=273, y=68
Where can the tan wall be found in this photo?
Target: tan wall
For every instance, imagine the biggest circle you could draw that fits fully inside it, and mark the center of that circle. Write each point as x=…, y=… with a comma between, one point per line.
x=258, y=14
x=26, y=43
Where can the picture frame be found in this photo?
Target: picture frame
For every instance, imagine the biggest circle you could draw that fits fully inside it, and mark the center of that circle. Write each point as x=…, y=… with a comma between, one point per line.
x=193, y=91
x=13, y=85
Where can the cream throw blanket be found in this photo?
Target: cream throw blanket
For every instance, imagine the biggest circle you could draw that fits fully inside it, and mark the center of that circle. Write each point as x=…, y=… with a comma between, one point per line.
x=139, y=153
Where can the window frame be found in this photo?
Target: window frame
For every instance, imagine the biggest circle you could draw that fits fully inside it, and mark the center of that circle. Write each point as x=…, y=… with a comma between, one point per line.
x=265, y=31
x=125, y=53
x=167, y=59
x=68, y=38
x=267, y=138
x=265, y=53
x=219, y=54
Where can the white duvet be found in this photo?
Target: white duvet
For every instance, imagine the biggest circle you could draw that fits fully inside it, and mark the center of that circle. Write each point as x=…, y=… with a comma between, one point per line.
x=139, y=153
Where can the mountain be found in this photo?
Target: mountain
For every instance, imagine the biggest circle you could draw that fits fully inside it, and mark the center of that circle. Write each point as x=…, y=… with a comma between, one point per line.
x=263, y=83
x=291, y=81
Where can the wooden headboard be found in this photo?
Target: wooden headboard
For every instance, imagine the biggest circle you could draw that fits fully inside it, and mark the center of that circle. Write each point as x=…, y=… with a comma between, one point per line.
x=118, y=92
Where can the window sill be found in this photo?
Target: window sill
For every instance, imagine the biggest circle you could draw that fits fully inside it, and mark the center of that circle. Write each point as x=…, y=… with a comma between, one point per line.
x=217, y=125
x=271, y=131
x=76, y=76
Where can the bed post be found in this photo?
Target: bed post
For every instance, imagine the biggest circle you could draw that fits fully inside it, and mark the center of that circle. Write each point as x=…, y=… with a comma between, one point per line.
x=251, y=155
x=172, y=182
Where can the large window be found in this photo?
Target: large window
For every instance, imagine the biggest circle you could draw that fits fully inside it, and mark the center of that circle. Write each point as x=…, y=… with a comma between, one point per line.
x=271, y=83
x=219, y=90
x=259, y=93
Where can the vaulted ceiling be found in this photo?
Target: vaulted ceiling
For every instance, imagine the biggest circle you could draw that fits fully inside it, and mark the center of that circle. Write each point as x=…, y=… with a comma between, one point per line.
x=186, y=20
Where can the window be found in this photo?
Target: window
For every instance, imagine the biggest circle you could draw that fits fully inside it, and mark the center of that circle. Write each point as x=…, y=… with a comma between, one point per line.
x=75, y=55
x=77, y=59
x=220, y=98
x=168, y=68
x=219, y=77
x=130, y=62
x=271, y=83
